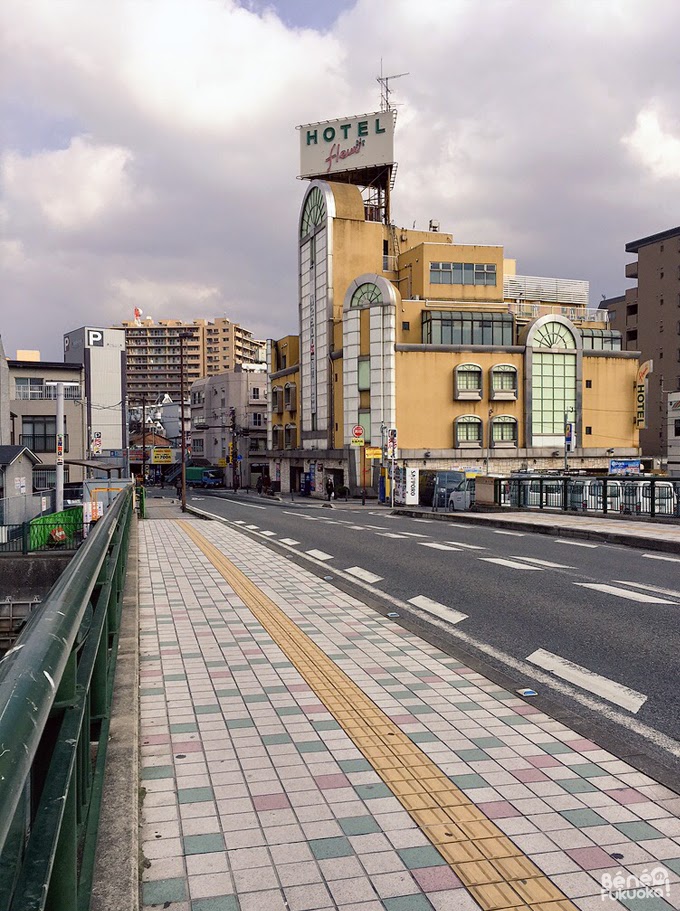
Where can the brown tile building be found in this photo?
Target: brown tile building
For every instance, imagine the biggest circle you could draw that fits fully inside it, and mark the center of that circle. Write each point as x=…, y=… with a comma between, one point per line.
x=648, y=317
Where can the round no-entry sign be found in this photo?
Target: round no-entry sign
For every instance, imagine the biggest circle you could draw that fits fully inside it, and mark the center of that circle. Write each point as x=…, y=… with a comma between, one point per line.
x=357, y=431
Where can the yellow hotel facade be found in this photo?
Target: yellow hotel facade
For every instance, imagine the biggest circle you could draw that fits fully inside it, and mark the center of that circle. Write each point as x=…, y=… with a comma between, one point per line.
x=476, y=367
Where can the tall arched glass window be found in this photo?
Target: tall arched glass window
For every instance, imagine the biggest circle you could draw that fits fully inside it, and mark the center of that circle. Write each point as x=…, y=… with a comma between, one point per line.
x=314, y=212
x=365, y=295
x=553, y=379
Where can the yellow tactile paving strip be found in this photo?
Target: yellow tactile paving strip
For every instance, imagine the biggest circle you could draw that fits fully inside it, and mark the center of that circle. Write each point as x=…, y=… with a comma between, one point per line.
x=494, y=870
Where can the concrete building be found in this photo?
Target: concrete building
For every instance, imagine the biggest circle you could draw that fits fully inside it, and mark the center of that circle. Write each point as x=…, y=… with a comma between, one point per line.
x=229, y=423
x=102, y=353
x=33, y=415
x=154, y=358
x=648, y=318
x=673, y=434
x=474, y=366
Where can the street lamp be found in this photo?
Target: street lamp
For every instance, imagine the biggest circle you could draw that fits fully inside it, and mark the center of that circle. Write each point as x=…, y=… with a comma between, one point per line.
x=182, y=337
x=568, y=435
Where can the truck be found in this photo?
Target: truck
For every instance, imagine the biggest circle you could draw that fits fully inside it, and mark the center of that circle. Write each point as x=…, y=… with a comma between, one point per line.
x=204, y=477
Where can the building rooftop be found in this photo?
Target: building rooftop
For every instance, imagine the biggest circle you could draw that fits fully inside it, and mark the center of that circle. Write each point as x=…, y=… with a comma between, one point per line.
x=635, y=245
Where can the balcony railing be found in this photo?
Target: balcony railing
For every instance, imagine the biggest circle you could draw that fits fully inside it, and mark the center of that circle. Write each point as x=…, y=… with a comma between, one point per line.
x=528, y=311
x=38, y=391
x=41, y=442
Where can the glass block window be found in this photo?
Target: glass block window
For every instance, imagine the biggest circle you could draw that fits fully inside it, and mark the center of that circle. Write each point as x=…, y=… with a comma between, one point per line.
x=466, y=327
x=365, y=295
x=553, y=385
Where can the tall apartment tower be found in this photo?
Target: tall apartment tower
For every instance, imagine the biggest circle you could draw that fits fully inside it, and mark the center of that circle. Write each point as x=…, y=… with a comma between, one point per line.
x=209, y=347
x=648, y=317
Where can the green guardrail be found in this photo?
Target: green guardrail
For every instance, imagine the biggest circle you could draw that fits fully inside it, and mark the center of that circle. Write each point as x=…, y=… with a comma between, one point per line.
x=56, y=687
x=70, y=520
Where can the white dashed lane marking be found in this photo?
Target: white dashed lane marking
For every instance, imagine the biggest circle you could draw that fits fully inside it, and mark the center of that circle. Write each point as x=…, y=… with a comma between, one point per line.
x=516, y=534
x=291, y=542
x=319, y=555
x=545, y=563
x=268, y=534
x=650, y=588
x=574, y=543
x=389, y=534
x=363, y=574
x=436, y=546
x=587, y=680
x=511, y=564
x=466, y=546
x=252, y=527
x=662, y=557
x=439, y=610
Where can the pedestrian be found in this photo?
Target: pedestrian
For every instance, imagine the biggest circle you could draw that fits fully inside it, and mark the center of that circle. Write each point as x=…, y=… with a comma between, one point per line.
x=330, y=489
x=258, y=486
x=178, y=487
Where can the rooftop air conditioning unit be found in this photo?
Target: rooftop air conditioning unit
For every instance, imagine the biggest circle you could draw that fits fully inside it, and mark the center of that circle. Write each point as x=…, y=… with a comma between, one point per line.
x=434, y=225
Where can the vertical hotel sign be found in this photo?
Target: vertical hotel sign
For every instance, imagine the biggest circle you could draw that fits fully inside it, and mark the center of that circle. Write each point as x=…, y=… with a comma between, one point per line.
x=350, y=144
x=641, y=394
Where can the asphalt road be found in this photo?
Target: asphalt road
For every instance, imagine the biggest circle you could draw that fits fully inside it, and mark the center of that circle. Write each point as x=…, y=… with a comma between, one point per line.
x=508, y=597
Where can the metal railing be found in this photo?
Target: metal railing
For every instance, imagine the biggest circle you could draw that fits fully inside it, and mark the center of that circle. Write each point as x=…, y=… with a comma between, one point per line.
x=653, y=497
x=41, y=391
x=55, y=691
x=24, y=507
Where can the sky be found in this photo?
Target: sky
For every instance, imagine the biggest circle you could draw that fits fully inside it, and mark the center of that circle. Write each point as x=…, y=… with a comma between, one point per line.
x=149, y=157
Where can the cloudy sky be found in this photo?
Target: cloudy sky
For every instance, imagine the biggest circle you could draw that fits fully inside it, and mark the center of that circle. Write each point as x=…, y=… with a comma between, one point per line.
x=148, y=152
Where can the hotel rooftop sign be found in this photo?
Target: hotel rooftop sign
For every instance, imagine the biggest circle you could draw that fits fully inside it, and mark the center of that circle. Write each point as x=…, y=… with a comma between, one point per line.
x=350, y=144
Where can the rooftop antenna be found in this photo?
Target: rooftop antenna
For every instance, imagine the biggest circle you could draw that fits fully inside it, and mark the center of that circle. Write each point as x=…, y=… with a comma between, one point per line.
x=385, y=89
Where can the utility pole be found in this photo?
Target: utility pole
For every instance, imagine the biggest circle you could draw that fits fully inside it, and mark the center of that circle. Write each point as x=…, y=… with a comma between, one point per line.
x=143, y=437
x=59, y=473
x=182, y=337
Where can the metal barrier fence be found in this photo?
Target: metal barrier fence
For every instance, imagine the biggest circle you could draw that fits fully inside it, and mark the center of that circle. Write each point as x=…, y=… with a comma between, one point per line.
x=653, y=497
x=24, y=507
x=55, y=691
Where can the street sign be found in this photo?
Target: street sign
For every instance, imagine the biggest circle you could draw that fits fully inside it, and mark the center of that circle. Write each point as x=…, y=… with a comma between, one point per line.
x=357, y=431
x=391, y=448
x=373, y=452
x=357, y=441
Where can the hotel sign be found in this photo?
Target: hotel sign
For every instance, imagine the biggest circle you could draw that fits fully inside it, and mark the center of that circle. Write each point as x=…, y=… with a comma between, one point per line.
x=350, y=144
x=641, y=394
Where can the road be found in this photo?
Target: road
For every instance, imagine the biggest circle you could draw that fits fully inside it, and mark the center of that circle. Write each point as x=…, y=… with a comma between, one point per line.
x=594, y=626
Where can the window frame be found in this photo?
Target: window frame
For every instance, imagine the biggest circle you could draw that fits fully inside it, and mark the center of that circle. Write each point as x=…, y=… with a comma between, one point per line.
x=499, y=394
x=468, y=395
x=467, y=420
x=504, y=420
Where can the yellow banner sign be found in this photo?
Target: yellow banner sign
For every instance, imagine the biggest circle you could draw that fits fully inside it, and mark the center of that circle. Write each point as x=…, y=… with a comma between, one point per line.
x=357, y=441
x=161, y=456
x=373, y=452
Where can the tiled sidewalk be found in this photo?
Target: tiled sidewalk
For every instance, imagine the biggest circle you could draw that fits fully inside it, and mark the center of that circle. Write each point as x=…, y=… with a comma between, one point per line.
x=257, y=799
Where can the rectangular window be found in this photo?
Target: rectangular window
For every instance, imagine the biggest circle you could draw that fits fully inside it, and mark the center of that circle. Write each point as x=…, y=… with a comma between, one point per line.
x=255, y=393
x=462, y=273
x=364, y=384
x=504, y=431
x=257, y=420
x=365, y=421
x=589, y=431
x=677, y=427
x=463, y=327
x=589, y=384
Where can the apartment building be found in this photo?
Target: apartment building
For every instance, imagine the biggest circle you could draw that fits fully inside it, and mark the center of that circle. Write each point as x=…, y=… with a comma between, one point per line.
x=229, y=423
x=156, y=353
x=33, y=416
x=648, y=318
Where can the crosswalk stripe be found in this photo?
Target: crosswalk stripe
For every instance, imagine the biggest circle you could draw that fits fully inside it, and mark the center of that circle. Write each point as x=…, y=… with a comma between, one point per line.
x=436, y=546
x=291, y=542
x=363, y=574
x=623, y=593
x=319, y=555
x=439, y=610
x=574, y=543
x=587, y=680
x=510, y=563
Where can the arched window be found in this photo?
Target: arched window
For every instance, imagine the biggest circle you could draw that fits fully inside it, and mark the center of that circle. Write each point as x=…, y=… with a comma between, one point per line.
x=503, y=382
x=503, y=431
x=290, y=397
x=313, y=213
x=365, y=295
x=553, y=335
x=468, y=382
x=277, y=400
x=290, y=436
x=467, y=432
x=277, y=436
